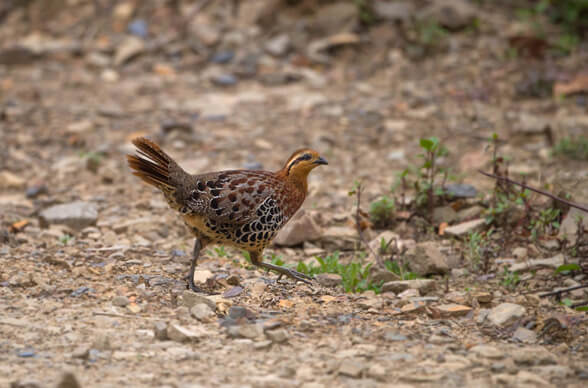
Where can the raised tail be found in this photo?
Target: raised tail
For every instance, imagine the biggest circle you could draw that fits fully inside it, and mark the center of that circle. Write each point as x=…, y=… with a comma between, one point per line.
x=154, y=166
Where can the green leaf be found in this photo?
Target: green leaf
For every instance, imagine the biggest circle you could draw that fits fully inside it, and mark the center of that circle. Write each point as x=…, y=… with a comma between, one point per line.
x=427, y=144
x=568, y=268
x=582, y=308
x=567, y=302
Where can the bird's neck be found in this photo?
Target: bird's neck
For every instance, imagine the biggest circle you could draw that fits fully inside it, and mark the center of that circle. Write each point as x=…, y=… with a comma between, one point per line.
x=297, y=179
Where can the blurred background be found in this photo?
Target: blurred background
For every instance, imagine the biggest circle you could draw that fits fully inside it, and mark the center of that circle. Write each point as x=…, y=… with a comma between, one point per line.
x=406, y=99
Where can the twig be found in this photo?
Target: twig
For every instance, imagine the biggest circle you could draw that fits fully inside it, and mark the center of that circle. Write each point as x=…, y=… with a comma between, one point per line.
x=545, y=193
x=579, y=304
x=563, y=290
x=360, y=232
x=116, y=315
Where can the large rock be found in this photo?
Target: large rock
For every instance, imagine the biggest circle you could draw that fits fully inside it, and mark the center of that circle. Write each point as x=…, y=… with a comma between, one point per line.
x=529, y=265
x=465, y=228
x=452, y=14
x=426, y=258
x=76, y=215
x=506, y=313
x=128, y=49
x=300, y=229
x=569, y=226
x=423, y=285
x=9, y=180
x=396, y=11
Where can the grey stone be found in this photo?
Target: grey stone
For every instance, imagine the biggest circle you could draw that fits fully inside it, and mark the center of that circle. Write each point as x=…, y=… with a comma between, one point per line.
x=520, y=253
x=569, y=226
x=76, y=215
x=394, y=10
x=423, y=285
x=250, y=331
x=129, y=48
x=553, y=371
x=300, y=229
x=120, y=301
x=329, y=279
x=191, y=299
x=202, y=312
x=525, y=335
x=278, y=45
x=178, y=333
x=487, y=351
x=351, y=367
x=536, y=355
x=506, y=313
x=426, y=258
x=453, y=14
x=461, y=190
x=393, y=336
x=444, y=214
x=160, y=330
x=465, y=228
x=277, y=335
x=552, y=262
x=469, y=213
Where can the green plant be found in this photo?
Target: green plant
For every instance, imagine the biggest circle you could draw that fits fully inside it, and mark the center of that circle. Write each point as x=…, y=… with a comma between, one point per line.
x=382, y=211
x=219, y=252
x=401, y=270
x=510, y=279
x=65, y=238
x=572, y=148
x=426, y=191
x=479, y=249
x=546, y=221
x=365, y=11
x=429, y=33
x=354, y=276
x=568, y=268
x=277, y=260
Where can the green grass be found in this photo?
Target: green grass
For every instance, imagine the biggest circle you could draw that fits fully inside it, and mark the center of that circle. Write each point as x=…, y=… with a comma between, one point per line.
x=354, y=275
x=402, y=271
x=510, y=279
x=572, y=148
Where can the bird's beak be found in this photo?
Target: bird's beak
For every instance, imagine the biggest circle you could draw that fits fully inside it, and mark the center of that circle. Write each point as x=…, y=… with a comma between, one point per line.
x=321, y=160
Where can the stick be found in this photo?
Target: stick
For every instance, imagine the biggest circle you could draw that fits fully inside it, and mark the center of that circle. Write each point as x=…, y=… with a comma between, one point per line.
x=559, y=292
x=545, y=193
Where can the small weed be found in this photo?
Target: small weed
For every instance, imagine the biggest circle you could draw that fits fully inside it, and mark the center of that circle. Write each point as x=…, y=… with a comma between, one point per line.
x=219, y=252
x=277, y=260
x=429, y=33
x=65, y=238
x=382, y=211
x=566, y=269
x=546, y=222
x=354, y=275
x=93, y=160
x=572, y=148
x=402, y=271
x=510, y=279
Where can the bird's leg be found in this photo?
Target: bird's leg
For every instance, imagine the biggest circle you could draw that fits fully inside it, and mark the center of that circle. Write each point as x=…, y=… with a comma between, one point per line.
x=256, y=260
x=195, y=255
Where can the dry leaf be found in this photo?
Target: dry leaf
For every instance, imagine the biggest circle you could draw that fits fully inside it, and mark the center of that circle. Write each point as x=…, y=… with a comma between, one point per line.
x=286, y=304
x=577, y=85
x=18, y=226
x=442, y=227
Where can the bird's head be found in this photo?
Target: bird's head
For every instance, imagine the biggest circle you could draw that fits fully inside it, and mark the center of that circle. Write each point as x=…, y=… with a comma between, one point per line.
x=301, y=163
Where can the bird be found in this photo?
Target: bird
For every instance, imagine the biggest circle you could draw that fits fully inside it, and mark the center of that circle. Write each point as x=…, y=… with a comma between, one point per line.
x=239, y=208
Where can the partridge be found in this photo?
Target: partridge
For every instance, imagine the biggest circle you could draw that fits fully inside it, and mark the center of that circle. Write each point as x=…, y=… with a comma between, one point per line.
x=241, y=208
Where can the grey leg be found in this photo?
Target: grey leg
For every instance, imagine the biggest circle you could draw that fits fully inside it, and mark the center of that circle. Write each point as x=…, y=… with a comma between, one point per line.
x=256, y=260
x=195, y=255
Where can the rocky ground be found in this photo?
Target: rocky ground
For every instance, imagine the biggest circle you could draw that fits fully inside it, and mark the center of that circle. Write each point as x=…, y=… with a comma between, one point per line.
x=92, y=261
